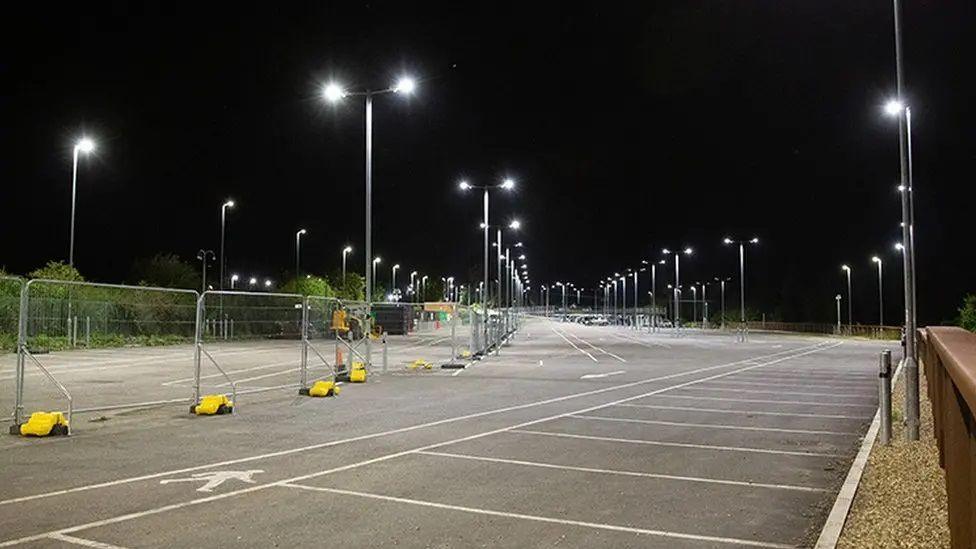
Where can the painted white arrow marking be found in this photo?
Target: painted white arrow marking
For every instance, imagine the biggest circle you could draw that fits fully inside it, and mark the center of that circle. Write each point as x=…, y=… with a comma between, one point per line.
x=214, y=479
x=608, y=374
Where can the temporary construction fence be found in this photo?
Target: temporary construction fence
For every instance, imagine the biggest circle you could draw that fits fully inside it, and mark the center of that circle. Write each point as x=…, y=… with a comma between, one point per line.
x=95, y=339
x=88, y=346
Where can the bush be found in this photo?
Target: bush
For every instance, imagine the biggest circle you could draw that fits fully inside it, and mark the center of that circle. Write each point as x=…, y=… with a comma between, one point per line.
x=967, y=313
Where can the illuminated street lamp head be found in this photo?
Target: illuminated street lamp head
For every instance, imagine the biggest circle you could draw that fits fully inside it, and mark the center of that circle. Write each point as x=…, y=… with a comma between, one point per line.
x=661, y=262
x=252, y=281
x=405, y=85
x=522, y=257
x=377, y=260
x=876, y=259
x=482, y=225
x=845, y=268
x=397, y=266
x=229, y=204
x=347, y=249
x=755, y=240
x=894, y=107
x=333, y=92
x=234, y=278
x=837, y=297
x=267, y=283
x=508, y=184
x=302, y=231
x=899, y=246
x=727, y=240
x=413, y=273
x=688, y=251
x=515, y=224
x=464, y=185
x=665, y=251
x=518, y=244
x=85, y=145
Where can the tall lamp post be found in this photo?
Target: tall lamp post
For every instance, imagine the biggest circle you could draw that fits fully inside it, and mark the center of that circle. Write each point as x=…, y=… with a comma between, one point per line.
x=722, y=282
x=346, y=250
x=202, y=255
x=298, y=253
x=233, y=280
x=413, y=289
x=850, y=299
x=908, y=234
x=507, y=184
x=86, y=146
x=677, y=281
x=376, y=261
x=877, y=260
x=393, y=277
x=223, y=229
x=333, y=92
x=742, y=274
x=837, y=298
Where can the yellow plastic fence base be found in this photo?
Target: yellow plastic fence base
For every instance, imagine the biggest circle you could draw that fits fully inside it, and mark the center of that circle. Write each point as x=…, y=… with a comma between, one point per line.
x=421, y=363
x=42, y=424
x=323, y=389
x=357, y=375
x=213, y=405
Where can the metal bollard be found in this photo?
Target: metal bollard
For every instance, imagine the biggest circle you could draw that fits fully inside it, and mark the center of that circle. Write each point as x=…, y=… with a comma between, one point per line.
x=88, y=332
x=884, y=396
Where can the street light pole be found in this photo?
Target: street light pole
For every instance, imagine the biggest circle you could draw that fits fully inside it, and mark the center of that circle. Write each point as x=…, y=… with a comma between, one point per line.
x=911, y=360
x=850, y=299
x=84, y=145
x=877, y=260
x=333, y=92
x=202, y=256
x=298, y=254
x=375, y=261
x=223, y=228
x=346, y=250
x=393, y=281
x=837, y=298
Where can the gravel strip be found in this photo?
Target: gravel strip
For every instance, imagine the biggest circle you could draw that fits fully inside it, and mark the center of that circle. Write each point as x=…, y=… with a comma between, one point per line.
x=901, y=501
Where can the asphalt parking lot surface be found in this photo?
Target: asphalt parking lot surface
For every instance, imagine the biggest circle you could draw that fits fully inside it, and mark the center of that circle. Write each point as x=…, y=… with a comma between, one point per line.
x=572, y=436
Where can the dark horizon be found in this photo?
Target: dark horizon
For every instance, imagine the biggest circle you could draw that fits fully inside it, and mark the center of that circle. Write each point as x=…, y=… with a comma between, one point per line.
x=626, y=130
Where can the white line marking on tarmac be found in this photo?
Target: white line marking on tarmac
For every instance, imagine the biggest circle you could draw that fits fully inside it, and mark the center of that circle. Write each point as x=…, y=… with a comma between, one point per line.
x=731, y=390
x=627, y=473
x=745, y=412
x=593, y=358
x=229, y=372
x=714, y=426
x=648, y=344
x=83, y=542
x=678, y=444
x=594, y=347
x=537, y=518
x=598, y=376
x=865, y=386
x=792, y=402
x=783, y=355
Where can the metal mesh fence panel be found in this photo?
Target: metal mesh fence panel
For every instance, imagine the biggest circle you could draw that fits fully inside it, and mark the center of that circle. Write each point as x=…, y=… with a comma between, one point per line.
x=111, y=346
x=10, y=288
x=249, y=342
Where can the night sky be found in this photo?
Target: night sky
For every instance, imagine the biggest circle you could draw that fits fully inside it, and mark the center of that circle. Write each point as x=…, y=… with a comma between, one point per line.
x=627, y=129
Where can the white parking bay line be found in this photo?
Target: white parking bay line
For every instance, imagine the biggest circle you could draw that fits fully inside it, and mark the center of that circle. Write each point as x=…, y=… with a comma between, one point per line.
x=598, y=376
x=626, y=473
x=677, y=444
x=745, y=412
x=762, y=401
x=713, y=426
x=83, y=542
x=796, y=385
x=593, y=358
x=838, y=395
x=537, y=518
x=594, y=347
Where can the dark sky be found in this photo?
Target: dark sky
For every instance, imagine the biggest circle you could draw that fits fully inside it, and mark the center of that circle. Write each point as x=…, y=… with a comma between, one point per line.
x=627, y=127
